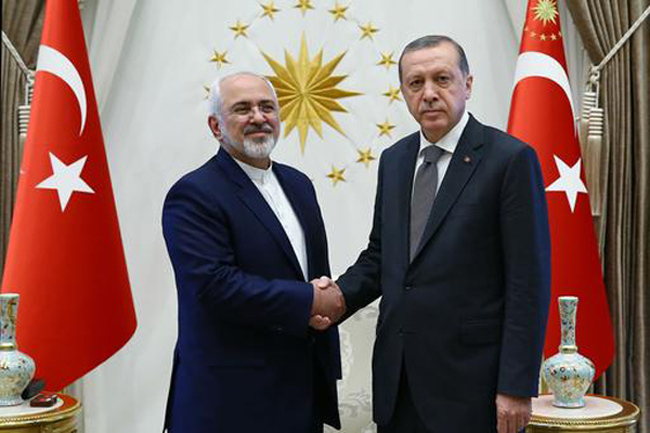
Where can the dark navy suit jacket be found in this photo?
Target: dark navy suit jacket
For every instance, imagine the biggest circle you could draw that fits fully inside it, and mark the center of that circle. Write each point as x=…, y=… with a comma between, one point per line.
x=246, y=359
x=467, y=317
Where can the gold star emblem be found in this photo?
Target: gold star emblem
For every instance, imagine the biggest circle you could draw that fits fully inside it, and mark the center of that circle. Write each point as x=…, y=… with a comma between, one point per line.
x=269, y=9
x=542, y=37
x=338, y=12
x=387, y=60
x=368, y=30
x=307, y=92
x=240, y=29
x=533, y=34
x=365, y=156
x=385, y=128
x=545, y=11
x=336, y=175
x=392, y=94
x=304, y=5
x=219, y=58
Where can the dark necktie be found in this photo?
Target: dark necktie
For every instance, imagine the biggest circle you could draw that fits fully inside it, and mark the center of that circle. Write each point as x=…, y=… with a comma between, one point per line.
x=424, y=192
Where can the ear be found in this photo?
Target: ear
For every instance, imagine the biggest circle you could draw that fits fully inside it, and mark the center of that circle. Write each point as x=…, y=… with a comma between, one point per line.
x=215, y=127
x=468, y=85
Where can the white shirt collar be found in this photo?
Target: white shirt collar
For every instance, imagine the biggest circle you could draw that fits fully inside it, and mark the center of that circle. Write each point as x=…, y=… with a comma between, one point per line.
x=258, y=175
x=450, y=140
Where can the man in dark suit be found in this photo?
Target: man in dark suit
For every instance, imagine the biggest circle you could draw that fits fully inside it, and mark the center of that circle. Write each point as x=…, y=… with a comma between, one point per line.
x=244, y=236
x=460, y=253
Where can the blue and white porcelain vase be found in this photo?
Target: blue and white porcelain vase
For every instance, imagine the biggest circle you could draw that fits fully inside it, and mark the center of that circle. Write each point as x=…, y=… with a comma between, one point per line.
x=567, y=373
x=16, y=368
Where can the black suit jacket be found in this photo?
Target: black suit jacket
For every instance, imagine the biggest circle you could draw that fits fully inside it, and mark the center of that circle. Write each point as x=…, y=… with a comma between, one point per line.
x=246, y=359
x=467, y=316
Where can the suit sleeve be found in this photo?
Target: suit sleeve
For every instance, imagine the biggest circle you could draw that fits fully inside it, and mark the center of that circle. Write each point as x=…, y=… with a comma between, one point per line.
x=526, y=247
x=199, y=243
x=361, y=283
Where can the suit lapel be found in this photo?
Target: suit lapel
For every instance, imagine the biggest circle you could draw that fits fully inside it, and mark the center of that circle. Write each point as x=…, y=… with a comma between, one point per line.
x=464, y=161
x=404, y=175
x=296, y=194
x=253, y=199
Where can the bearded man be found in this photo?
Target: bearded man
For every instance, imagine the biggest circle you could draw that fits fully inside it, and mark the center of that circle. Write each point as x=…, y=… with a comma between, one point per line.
x=245, y=236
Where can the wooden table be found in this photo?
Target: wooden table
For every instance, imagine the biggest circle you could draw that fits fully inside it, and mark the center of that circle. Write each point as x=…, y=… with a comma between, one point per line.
x=62, y=419
x=600, y=414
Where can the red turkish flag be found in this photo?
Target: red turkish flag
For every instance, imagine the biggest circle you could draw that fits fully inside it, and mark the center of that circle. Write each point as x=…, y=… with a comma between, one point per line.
x=65, y=255
x=542, y=114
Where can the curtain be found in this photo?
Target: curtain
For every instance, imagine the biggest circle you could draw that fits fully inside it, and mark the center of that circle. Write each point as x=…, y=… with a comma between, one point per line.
x=624, y=229
x=107, y=26
x=22, y=21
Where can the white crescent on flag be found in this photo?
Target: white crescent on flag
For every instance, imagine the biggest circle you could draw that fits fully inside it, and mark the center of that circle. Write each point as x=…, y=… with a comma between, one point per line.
x=536, y=64
x=52, y=61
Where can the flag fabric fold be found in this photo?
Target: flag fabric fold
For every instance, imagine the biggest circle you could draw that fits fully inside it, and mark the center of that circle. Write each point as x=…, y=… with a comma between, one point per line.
x=542, y=114
x=65, y=256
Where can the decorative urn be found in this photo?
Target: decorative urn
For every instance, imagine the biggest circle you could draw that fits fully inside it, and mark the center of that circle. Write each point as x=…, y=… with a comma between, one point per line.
x=567, y=373
x=16, y=368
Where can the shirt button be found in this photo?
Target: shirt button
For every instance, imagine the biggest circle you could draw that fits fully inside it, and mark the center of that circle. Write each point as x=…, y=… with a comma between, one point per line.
x=407, y=288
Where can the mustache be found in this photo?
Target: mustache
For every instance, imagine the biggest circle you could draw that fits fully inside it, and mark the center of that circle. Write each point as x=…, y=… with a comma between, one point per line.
x=428, y=106
x=265, y=127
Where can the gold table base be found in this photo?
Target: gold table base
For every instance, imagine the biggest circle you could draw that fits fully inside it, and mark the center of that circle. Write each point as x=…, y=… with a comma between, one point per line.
x=622, y=422
x=60, y=420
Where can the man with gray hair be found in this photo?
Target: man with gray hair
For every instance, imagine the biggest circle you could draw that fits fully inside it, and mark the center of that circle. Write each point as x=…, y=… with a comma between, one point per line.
x=245, y=236
x=459, y=252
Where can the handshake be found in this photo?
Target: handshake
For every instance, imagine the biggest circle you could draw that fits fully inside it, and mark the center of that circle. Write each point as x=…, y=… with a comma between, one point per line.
x=328, y=305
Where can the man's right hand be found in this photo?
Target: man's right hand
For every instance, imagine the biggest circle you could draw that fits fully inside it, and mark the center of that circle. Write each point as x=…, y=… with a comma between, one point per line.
x=328, y=305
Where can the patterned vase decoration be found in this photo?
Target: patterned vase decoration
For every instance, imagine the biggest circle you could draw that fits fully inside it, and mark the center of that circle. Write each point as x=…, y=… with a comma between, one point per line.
x=16, y=368
x=567, y=373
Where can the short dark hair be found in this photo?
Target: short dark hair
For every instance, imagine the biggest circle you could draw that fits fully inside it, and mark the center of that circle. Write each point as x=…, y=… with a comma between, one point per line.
x=433, y=41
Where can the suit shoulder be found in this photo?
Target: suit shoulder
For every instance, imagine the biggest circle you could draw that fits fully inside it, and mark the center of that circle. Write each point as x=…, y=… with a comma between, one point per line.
x=503, y=139
x=395, y=150
x=505, y=144
x=402, y=144
x=511, y=154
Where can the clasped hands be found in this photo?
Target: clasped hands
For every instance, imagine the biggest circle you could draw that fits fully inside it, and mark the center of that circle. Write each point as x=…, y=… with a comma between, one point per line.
x=328, y=305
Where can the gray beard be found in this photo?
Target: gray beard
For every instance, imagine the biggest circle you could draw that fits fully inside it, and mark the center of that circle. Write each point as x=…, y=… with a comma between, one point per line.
x=255, y=149
x=258, y=149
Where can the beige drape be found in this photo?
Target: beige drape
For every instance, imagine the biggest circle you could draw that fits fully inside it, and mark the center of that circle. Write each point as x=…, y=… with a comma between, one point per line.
x=624, y=229
x=22, y=21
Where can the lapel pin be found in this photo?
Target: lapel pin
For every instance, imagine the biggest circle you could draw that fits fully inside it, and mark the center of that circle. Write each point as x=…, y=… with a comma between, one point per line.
x=467, y=159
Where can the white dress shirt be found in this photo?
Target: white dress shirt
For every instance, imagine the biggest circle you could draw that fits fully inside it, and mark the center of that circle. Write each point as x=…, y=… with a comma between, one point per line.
x=447, y=143
x=272, y=191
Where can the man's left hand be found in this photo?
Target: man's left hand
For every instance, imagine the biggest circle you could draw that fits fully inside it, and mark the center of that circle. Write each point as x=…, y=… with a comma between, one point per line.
x=513, y=413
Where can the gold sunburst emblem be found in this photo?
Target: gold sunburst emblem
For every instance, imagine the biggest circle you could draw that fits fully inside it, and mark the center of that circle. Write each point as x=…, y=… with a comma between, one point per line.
x=545, y=11
x=307, y=92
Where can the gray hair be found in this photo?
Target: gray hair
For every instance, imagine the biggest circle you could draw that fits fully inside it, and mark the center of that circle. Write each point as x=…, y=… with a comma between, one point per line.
x=215, y=101
x=433, y=41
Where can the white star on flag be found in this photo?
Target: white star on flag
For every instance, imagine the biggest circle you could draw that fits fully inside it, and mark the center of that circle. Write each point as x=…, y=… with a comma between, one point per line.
x=66, y=179
x=569, y=181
